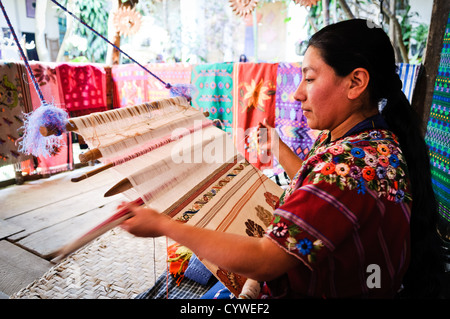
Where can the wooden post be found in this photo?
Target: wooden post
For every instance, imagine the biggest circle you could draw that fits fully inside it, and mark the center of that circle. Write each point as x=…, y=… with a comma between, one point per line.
x=423, y=94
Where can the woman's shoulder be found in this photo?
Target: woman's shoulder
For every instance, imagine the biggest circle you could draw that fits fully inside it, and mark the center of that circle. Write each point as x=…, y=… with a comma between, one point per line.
x=370, y=160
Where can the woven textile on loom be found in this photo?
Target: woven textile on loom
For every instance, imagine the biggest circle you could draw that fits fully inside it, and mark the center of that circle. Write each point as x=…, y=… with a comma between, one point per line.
x=186, y=168
x=438, y=131
x=254, y=87
x=214, y=86
x=14, y=101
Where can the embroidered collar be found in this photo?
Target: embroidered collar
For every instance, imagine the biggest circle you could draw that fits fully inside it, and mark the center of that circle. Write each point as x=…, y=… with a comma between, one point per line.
x=370, y=160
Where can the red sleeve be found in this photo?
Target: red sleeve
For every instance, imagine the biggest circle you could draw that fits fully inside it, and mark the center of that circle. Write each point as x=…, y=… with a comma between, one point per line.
x=315, y=219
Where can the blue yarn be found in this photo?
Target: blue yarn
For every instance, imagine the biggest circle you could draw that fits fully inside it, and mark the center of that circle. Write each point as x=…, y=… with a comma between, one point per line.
x=33, y=142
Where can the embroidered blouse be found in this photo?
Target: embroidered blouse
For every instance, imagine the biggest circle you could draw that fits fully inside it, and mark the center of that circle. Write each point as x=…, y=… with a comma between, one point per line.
x=346, y=217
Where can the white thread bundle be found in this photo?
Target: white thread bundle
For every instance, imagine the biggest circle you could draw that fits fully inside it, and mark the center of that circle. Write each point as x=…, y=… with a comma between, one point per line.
x=116, y=130
x=148, y=147
x=147, y=132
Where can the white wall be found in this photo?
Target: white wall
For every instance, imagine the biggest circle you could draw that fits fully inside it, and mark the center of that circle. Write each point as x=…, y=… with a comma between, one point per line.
x=423, y=8
x=17, y=13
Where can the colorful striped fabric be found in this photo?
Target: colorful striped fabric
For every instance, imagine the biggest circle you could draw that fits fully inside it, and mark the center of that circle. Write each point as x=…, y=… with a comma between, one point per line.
x=408, y=73
x=438, y=131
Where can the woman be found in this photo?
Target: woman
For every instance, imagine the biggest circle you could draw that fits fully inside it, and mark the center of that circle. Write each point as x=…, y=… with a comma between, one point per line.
x=358, y=218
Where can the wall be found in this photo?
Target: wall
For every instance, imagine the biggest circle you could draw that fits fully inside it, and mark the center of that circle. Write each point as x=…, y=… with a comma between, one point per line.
x=17, y=13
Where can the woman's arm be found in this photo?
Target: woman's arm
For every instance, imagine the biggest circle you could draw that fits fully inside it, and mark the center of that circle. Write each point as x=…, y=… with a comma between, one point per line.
x=256, y=258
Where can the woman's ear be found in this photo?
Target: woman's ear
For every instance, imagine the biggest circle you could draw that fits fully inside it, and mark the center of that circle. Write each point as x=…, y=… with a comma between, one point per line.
x=359, y=80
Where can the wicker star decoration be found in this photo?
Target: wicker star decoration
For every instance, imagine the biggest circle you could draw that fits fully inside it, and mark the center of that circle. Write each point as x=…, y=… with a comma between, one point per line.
x=243, y=7
x=127, y=21
x=306, y=3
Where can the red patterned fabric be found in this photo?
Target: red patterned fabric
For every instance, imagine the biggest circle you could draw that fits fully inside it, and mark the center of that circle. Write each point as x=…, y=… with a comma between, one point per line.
x=83, y=88
x=254, y=87
x=346, y=216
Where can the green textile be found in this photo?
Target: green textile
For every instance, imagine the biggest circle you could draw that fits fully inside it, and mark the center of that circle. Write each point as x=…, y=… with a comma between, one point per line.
x=214, y=85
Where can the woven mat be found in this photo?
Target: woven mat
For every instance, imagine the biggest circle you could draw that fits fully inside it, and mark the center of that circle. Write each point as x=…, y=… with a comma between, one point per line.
x=116, y=265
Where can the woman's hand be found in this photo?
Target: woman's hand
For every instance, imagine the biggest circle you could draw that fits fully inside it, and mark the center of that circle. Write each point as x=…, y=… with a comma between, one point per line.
x=268, y=139
x=144, y=222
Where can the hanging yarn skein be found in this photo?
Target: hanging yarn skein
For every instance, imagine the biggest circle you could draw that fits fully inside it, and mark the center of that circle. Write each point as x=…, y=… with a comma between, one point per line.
x=32, y=142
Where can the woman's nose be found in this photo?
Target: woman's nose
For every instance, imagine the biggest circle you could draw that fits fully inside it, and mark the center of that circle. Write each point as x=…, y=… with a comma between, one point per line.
x=299, y=94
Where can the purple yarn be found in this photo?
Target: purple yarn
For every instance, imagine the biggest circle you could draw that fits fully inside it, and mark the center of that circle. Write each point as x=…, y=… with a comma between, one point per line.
x=33, y=142
x=186, y=90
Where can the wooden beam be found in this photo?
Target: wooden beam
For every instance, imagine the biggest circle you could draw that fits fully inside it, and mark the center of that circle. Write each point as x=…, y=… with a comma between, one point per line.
x=423, y=94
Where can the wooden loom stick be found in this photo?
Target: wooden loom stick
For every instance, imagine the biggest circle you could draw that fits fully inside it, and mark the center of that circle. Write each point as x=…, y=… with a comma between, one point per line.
x=100, y=229
x=120, y=187
x=92, y=173
x=91, y=155
x=49, y=130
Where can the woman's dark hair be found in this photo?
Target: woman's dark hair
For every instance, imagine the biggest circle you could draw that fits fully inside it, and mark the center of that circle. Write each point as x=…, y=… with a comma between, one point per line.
x=358, y=43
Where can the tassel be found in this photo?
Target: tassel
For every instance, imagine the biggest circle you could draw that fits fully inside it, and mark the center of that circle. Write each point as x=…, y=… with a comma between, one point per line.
x=33, y=142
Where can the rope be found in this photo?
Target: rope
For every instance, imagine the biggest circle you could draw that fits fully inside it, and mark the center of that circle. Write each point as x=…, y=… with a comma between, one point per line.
x=23, y=56
x=167, y=85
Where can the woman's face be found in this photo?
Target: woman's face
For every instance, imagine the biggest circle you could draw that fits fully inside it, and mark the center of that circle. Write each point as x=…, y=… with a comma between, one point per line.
x=324, y=95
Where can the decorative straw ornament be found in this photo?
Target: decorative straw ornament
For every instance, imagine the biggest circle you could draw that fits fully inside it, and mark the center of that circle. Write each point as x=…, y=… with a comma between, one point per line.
x=127, y=21
x=243, y=7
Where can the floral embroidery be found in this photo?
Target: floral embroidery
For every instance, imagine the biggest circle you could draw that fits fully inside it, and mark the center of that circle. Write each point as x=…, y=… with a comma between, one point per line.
x=257, y=93
x=8, y=93
x=304, y=246
x=371, y=160
x=290, y=235
x=279, y=229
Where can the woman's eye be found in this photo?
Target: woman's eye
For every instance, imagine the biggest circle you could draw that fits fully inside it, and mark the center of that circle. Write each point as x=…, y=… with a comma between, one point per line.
x=308, y=80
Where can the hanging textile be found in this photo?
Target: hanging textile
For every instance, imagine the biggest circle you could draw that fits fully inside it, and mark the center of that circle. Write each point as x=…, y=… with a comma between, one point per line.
x=14, y=101
x=438, y=131
x=46, y=75
x=214, y=85
x=408, y=73
x=129, y=85
x=289, y=119
x=173, y=73
x=254, y=87
x=83, y=87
